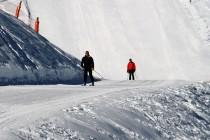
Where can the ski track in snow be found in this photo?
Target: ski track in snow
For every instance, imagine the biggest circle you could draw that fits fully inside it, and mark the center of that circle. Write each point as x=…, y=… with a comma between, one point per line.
x=111, y=110
x=46, y=106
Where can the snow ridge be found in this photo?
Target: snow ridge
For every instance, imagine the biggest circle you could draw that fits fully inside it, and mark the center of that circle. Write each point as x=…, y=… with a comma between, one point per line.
x=28, y=58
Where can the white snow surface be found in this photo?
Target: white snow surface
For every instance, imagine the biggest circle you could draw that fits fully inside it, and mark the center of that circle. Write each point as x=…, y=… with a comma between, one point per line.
x=166, y=39
x=112, y=110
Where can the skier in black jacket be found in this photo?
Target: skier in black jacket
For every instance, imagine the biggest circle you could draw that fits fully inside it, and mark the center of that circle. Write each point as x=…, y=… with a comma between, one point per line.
x=88, y=66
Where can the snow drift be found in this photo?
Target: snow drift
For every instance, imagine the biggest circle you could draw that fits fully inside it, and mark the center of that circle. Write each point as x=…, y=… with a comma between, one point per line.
x=151, y=110
x=28, y=58
x=160, y=36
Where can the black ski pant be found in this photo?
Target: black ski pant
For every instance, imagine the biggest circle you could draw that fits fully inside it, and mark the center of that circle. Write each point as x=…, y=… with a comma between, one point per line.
x=86, y=71
x=131, y=75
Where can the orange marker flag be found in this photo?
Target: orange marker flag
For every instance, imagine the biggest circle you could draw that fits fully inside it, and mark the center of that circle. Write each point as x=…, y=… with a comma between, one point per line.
x=36, y=25
x=17, y=13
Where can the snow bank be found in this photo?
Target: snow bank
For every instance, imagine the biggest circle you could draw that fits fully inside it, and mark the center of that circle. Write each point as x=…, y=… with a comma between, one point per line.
x=28, y=58
x=167, y=112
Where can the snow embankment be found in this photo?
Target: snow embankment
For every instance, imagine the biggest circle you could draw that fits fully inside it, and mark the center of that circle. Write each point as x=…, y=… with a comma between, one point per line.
x=118, y=110
x=28, y=58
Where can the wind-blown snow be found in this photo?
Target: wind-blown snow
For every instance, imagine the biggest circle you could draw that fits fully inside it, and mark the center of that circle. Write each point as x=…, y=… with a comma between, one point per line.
x=160, y=36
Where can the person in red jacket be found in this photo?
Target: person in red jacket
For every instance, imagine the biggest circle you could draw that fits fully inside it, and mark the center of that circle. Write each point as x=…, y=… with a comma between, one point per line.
x=131, y=68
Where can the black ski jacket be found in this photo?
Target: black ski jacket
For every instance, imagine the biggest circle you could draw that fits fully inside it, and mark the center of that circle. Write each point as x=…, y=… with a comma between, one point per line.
x=87, y=63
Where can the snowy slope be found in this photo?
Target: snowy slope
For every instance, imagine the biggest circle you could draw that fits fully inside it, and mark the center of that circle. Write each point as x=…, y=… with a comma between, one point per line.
x=160, y=36
x=199, y=12
x=28, y=58
x=115, y=110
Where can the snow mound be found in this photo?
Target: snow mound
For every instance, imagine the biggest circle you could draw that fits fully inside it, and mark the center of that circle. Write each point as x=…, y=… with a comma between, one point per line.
x=28, y=58
x=169, y=112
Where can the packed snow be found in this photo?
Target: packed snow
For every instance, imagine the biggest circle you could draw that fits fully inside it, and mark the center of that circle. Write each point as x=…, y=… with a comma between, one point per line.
x=112, y=110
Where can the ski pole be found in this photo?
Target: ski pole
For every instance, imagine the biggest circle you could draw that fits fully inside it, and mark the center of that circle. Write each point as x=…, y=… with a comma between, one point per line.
x=101, y=77
x=127, y=75
x=79, y=66
x=136, y=77
x=99, y=74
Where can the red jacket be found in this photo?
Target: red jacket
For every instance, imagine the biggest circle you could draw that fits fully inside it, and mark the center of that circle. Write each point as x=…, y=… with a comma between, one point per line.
x=131, y=66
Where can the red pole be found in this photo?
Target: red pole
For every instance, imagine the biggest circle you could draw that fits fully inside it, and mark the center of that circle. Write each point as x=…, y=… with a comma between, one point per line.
x=17, y=12
x=36, y=25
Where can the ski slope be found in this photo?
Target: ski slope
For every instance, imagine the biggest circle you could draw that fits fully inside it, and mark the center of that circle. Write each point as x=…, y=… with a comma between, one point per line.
x=111, y=110
x=160, y=36
x=164, y=38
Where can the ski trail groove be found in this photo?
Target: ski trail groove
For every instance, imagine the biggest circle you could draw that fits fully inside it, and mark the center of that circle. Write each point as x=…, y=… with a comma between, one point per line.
x=10, y=118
